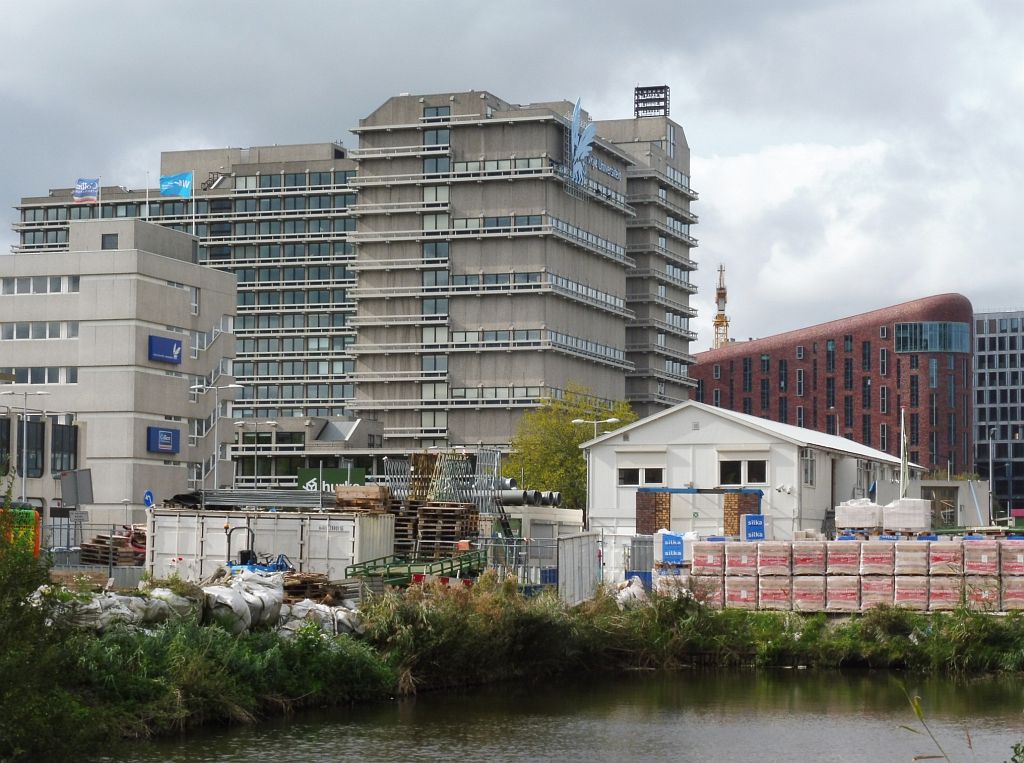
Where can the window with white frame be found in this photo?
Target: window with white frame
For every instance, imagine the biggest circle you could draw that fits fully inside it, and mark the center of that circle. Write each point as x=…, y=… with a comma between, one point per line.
x=807, y=462
x=636, y=476
x=742, y=472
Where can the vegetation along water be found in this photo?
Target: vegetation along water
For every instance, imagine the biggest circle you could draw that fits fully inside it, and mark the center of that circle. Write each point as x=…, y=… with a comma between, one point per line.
x=67, y=693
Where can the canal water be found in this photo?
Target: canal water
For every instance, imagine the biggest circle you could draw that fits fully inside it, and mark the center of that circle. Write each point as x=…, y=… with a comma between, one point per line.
x=688, y=716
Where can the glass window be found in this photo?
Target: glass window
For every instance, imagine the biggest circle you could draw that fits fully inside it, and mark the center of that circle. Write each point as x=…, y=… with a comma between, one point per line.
x=730, y=472
x=629, y=477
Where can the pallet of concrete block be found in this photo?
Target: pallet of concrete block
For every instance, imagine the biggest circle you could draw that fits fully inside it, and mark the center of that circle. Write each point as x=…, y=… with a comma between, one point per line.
x=1011, y=557
x=877, y=591
x=842, y=593
x=808, y=557
x=671, y=582
x=1011, y=592
x=945, y=592
x=859, y=512
x=809, y=593
x=946, y=557
x=740, y=558
x=981, y=557
x=741, y=591
x=843, y=557
x=708, y=558
x=908, y=515
x=912, y=557
x=709, y=590
x=774, y=558
x=775, y=592
x=911, y=592
x=877, y=557
x=981, y=592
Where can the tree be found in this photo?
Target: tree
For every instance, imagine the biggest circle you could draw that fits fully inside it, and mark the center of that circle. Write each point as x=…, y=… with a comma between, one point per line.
x=545, y=449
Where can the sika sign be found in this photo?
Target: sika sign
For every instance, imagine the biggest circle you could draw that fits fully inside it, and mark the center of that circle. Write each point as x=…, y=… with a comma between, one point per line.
x=160, y=440
x=164, y=349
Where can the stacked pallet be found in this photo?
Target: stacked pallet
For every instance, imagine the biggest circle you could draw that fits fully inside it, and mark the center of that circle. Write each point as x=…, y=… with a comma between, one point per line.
x=406, y=515
x=440, y=526
x=304, y=585
x=109, y=549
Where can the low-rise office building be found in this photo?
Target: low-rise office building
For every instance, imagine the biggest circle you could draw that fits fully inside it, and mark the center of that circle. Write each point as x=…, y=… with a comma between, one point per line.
x=102, y=344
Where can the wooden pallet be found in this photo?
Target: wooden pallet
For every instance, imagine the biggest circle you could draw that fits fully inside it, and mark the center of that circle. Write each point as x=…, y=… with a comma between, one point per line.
x=441, y=525
x=106, y=550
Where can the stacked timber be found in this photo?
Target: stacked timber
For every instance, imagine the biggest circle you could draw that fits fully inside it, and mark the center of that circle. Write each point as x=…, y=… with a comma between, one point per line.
x=406, y=515
x=373, y=499
x=421, y=474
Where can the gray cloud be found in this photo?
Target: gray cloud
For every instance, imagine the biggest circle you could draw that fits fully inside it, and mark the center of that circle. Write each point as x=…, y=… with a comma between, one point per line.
x=849, y=154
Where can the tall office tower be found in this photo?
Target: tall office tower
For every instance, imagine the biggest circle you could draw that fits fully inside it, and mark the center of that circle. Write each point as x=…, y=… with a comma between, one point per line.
x=658, y=286
x=493, y=250
x=998, y=405
x=503, y=252
x=277, y=217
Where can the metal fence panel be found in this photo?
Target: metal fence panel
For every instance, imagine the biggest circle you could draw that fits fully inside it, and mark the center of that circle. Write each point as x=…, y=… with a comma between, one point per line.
x=579, y=567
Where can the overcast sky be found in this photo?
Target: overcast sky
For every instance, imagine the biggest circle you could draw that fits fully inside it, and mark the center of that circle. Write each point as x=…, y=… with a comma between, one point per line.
x=848, y=155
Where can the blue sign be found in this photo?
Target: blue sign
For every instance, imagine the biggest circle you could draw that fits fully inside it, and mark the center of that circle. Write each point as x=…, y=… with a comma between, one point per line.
x=147, y=498
x=582, y=141
x=753, y=527
x=160, y=440
x=176, y=185
x=164, y=349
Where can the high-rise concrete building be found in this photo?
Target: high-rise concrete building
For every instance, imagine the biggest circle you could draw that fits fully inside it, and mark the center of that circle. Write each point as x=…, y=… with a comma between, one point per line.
x=102, y=343
x=503, y=252
x=999, y=405
x=507, y=251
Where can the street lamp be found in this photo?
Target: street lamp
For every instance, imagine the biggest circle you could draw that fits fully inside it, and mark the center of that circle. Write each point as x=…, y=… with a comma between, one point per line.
x=991, y=480
x=612, y=420
x=24, y=437
x=216, y=421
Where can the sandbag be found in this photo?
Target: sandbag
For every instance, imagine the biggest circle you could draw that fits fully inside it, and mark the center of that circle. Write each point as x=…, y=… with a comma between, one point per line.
x=228, y=608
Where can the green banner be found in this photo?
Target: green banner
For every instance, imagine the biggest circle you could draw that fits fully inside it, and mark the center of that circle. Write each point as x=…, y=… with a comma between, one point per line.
x=309, y=478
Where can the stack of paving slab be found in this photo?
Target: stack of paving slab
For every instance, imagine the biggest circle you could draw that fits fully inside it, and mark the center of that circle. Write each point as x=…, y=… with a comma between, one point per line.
x=859, y=513
x=907, y=515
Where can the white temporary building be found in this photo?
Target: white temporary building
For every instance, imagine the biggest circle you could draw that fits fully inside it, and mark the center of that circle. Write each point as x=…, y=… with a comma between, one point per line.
x=802, y=473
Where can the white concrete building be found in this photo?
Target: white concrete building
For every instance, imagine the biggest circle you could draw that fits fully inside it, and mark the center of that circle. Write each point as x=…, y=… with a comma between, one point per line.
x=803, y=473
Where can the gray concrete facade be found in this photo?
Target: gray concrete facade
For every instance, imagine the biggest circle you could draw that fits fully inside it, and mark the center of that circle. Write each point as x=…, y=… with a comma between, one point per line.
x=95, y=329
x=442, y=278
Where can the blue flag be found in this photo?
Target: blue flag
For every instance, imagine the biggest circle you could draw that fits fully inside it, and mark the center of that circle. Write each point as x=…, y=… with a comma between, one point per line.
x=176, y=185
x=86, y=189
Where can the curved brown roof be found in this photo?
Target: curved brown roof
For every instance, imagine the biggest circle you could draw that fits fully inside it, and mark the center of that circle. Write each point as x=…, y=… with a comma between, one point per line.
x=940, y=307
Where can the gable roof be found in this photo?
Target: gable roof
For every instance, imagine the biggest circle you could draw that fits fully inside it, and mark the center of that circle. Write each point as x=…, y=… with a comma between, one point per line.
x=796, y=435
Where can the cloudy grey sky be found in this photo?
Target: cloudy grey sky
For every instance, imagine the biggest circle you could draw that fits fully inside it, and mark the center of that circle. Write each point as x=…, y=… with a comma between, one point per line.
x=849, y=154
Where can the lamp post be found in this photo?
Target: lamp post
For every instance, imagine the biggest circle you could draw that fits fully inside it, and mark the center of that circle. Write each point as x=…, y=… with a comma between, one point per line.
x=24, y=437
x=590, y=478
x=991, y=477
x=216, y=422
x=255, y=444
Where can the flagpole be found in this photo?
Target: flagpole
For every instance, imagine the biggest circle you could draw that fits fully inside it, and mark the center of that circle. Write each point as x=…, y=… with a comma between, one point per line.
x=145, y=215
x=193, y=188
x=904, y=465
x=99, y=198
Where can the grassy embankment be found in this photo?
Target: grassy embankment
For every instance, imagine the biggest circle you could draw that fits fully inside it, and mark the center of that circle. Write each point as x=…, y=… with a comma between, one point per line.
x=67, y=693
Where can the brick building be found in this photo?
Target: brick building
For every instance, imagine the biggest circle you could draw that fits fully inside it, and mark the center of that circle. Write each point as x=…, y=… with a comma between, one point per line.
x=851, y=377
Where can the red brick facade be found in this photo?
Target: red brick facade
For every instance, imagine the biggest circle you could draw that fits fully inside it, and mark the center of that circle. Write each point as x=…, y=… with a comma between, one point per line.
x=846, y=377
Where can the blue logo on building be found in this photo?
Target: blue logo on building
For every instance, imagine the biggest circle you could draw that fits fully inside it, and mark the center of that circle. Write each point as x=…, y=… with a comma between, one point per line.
x=160, y=440
x=164, y=349
x=582, y=141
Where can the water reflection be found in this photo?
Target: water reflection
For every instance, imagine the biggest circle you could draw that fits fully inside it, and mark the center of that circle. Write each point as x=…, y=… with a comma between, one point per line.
x=698, y=716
